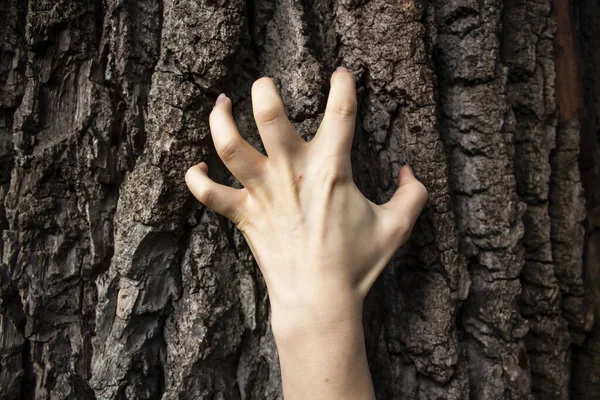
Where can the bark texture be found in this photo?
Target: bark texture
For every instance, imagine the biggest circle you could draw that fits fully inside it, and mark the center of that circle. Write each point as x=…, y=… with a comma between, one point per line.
x=116, y=284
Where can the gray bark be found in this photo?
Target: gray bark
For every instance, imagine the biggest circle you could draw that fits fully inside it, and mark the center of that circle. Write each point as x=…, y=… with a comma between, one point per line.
x=117, y=284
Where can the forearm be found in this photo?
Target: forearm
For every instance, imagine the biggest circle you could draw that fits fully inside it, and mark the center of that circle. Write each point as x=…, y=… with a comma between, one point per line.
x=322, y=352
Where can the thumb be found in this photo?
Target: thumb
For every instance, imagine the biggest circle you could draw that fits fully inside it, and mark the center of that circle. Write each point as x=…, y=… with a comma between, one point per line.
x=405, y=206
x=222, y=199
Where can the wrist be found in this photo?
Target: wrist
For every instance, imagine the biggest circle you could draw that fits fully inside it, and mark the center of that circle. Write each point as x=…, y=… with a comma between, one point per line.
x=318, y=314
x=314, y=308
x=321, y=349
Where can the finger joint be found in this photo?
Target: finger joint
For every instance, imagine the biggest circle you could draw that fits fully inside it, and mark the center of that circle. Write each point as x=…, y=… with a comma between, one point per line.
x=344, y=111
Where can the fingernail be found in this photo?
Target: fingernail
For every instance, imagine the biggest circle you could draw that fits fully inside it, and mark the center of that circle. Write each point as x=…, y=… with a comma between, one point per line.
x=342, y=69
x=220, y=99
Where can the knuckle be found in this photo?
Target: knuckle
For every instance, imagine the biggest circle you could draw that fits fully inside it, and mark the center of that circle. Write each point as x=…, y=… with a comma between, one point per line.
x=333, y=173
x=242, y=222
x=267, y=113
x=345, y=110
x=228, y=149
x=206, y=196
x=330, y=178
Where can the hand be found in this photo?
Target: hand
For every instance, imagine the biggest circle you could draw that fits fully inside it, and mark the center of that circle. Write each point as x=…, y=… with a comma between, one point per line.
x=319, y=243
x=306, y=222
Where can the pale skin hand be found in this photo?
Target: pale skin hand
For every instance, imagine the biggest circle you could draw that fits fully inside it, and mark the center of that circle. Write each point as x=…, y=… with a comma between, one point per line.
x=319, y=243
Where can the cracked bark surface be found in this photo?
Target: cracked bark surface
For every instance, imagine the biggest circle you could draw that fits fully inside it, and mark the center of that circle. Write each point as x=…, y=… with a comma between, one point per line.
x=117, y=284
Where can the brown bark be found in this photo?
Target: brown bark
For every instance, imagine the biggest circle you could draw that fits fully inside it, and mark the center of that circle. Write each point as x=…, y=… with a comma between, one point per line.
x=117, y=284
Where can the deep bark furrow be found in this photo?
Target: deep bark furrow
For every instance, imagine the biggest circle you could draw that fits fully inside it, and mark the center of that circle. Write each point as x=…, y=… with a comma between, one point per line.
x=528, y=53
x=476, y=120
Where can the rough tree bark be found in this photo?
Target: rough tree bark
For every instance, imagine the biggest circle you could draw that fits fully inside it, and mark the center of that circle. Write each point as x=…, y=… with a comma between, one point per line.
x=116, y=284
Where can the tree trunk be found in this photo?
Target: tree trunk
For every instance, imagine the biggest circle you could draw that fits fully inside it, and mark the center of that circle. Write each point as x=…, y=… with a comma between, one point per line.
x=117, y=284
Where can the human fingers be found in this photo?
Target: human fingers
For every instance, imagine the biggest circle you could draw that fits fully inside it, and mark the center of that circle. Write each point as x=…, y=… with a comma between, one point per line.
x=222, y=199
x=337, y=127
x=400, y=213
x=276, y=131
x=243, y=160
